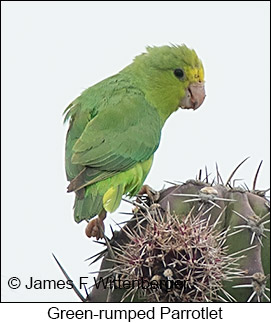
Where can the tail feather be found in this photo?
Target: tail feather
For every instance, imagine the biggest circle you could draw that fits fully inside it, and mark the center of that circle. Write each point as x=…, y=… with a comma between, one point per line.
x=88, y=207
x=90, y=201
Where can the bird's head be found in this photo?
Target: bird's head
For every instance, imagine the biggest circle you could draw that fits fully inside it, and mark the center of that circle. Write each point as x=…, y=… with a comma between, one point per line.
x=171, y=77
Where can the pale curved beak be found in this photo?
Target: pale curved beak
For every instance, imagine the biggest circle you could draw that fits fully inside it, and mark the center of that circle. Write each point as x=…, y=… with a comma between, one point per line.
x=194, y=96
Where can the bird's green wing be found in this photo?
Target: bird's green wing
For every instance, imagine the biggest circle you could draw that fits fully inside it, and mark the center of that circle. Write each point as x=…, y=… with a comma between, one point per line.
x=116, y=139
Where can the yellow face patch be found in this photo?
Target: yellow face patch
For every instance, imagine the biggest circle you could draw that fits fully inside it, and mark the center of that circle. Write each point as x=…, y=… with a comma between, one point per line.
x=195, y=74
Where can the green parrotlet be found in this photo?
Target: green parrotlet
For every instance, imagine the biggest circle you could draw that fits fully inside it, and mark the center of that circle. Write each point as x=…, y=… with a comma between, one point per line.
x=115, y=128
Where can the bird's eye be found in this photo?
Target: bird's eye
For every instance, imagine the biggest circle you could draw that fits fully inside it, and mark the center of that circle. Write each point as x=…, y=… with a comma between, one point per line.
x=179, y=73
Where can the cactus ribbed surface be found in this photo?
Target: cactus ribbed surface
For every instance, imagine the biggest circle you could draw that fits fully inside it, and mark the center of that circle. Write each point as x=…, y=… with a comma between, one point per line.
x=199, y=242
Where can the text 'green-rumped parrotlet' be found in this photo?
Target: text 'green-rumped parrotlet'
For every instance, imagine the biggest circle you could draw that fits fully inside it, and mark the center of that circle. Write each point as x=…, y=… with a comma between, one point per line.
x=115, y=128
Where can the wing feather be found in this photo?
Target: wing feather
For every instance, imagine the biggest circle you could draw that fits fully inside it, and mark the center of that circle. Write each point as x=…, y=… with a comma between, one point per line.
x=116, y=139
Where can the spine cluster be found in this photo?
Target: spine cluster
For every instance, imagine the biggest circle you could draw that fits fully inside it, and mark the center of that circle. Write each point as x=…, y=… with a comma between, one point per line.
x=199, y=242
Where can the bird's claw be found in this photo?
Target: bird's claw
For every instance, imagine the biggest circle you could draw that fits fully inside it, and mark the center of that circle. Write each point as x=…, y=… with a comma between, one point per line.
x=95, y=228
x=150, y=192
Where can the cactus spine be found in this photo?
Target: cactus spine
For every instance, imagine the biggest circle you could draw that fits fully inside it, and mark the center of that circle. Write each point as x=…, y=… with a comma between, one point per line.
x=198, y=242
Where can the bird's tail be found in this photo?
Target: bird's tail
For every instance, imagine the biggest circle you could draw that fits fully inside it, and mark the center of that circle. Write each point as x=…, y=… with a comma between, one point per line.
x=87, y=207
x=90, y=202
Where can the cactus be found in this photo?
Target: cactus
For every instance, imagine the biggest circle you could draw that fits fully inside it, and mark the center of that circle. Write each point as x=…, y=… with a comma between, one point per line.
x=198, y=242
x=174, y=259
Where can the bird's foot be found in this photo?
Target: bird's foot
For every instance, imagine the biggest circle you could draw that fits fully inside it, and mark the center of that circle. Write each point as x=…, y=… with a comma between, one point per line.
x=95, y=227
x=150, y=192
